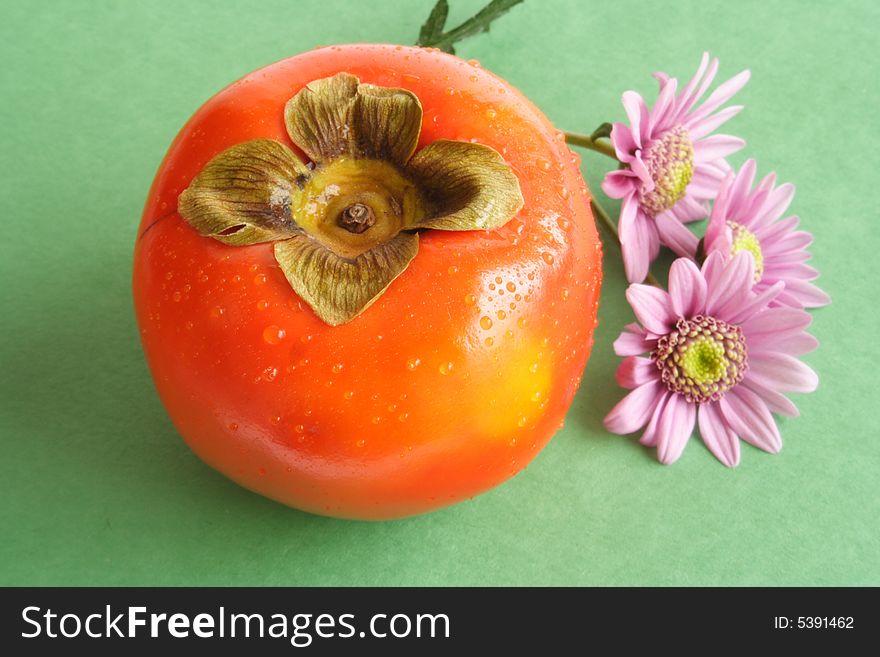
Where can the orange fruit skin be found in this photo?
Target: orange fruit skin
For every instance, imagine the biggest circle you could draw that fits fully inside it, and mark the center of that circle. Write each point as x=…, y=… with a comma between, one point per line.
x=445, y=387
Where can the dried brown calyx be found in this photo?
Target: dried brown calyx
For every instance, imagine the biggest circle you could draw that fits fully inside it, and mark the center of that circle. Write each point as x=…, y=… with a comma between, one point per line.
x=347, y=226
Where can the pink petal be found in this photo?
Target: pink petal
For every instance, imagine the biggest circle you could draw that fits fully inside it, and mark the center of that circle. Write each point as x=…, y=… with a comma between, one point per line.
x=718, y=437
x=807, y=293
x=638, y=167
x=715, y=147
x=774, y=325
x=686, y=101
x=687, y=288
x=633, y=411
x=689, y=208
x=705, y=183
x=739, y=191
x=674, y=427
x=722, y=201
x=750, y=418
x=636, y=112
x=721, y=95
x=632, y=342
x=754, y=305
x=795, y=241
x=708, y=125
x=774, y=231
x=675, y=235
x=776, y=401
x=777, y=203
x=619, y=183
x=635, y=371
x=661, y=77
x=718, y=236
x=732, y=287
x=649, y=437
x=782, y=372
x=623, y=141
x=712, y=268
x=652, y=307
x=797, y=345
x=664, y=102
x=636, y=233
x=788, y=271
x=692, y=83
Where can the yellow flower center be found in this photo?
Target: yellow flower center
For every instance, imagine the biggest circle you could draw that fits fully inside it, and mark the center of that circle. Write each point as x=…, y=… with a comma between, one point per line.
x=670, y=161
x=702, y=358
x=745, y=240
x=703, y=361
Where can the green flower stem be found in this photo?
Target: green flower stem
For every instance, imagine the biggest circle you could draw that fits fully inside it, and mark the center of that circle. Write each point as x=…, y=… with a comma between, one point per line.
x=605, y=220
x=585, y=141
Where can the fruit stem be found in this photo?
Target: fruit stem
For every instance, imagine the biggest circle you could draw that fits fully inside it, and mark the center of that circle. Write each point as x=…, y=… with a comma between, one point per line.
x=605, y=220
x=585, y=141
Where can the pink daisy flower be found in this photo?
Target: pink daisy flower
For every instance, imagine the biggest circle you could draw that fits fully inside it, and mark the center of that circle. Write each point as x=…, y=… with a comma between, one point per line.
x=746, y=219
x=718, y=357
x=672, y=164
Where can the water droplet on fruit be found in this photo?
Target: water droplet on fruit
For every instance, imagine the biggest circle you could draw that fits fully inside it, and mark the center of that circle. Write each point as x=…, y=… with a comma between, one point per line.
x=217, y=312
x=501, y=314
x=262, y=304
x=533, y=368
x=337, y=368
x=413, y=363
x=273, y=334
x=470, y=299
x=543, y=164
x=522, y=421
x=446, y=368
x=259, y=279
x=485, y=322
x=348, y=394
x=548, y=257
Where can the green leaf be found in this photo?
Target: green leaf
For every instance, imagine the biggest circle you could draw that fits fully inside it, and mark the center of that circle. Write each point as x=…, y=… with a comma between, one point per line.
x=468, y=186
x=339, y=289
x=433, y=27
x=245, y=194
x=603, y=131
x=477, y=23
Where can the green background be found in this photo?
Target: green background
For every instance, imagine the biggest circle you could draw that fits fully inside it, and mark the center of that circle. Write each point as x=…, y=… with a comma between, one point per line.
x=97, y=488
